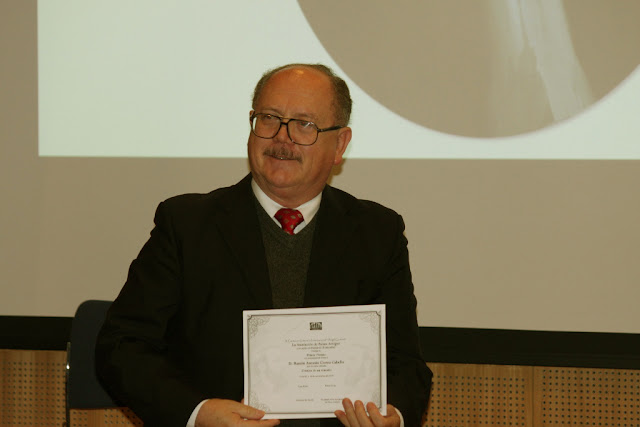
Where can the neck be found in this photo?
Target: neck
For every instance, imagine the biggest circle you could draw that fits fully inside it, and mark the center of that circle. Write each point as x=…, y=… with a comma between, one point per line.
x=288, y=197
x=287, y=200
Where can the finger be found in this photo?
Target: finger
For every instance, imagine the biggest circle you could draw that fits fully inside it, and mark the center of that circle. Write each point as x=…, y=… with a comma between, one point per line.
x=392, y=411
x=391, y=419
x=376, y=416
x=247, y=412
x=350, y=412
x=361, y=414
x=342, y=417
x=261, y=423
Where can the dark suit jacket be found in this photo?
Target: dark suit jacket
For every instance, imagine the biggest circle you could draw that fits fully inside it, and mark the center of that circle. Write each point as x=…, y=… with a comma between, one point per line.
x=173, y=337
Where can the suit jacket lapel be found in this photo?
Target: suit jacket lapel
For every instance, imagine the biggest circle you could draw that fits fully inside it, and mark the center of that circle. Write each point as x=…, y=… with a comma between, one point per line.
x=335, y=227
x=245, y=239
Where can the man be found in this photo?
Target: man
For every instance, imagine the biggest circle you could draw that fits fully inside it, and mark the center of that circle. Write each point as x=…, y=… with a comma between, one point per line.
x=171, y=347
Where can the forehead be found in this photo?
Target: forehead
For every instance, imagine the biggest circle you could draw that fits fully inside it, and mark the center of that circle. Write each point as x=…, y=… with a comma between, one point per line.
x=299, y=89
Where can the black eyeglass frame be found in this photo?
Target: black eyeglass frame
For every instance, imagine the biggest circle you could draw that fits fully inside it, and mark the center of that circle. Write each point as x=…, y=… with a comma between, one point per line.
x=286, y=124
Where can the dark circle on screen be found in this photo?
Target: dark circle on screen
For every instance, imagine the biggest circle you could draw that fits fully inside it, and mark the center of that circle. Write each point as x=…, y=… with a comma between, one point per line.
x=469, y=68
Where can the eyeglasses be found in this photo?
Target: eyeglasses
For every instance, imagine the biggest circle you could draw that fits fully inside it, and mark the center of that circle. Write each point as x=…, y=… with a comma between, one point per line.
x=301, y=132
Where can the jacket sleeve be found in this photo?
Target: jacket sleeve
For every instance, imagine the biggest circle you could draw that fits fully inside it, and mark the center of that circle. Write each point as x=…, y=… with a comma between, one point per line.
x=132, y=358
x=408, y=377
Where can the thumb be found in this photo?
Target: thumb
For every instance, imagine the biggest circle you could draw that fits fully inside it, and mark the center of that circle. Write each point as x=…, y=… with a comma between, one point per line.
x=249, y=412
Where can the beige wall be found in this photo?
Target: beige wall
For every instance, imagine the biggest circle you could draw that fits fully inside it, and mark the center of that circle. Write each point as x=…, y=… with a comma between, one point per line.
x=494, y=244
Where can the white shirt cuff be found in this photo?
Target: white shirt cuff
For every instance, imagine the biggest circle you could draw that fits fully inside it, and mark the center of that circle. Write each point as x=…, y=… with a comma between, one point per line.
x=194, y=415
x=401, y=418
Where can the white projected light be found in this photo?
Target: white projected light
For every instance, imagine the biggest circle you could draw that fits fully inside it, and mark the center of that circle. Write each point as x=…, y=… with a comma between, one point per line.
x=174, y=79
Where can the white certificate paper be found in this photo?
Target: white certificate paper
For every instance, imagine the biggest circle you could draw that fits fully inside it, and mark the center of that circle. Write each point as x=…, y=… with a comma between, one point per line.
x=301, y=363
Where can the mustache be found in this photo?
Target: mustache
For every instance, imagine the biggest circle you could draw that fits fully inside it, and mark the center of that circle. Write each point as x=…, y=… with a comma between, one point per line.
x=282, y=153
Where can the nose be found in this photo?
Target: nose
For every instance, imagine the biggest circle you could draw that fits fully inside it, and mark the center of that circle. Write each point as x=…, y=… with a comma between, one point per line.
x=283, y=134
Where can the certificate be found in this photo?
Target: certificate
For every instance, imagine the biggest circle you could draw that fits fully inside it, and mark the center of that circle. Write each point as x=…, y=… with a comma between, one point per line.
x=301, y=363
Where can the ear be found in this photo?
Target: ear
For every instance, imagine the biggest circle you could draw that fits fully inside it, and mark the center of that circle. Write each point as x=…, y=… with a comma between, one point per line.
x=344, y=136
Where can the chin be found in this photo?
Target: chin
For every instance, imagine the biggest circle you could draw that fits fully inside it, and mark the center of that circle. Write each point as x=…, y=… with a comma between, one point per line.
x=281, y=182
x=282, y=175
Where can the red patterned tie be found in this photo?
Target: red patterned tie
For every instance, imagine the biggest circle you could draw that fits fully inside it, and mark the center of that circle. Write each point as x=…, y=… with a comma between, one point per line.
x=289, y=219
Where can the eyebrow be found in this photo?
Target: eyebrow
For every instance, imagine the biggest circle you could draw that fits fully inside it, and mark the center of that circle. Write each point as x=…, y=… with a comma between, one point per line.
x=302, y=116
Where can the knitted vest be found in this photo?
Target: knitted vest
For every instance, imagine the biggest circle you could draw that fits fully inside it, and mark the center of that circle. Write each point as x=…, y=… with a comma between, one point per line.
x=288, y=260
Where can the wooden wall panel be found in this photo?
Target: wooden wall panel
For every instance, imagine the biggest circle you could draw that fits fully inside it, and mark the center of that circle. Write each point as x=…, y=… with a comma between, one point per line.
x=121, y=417
x=586, y=396
x=477, y=395
x=32, y=390
x=32, y=393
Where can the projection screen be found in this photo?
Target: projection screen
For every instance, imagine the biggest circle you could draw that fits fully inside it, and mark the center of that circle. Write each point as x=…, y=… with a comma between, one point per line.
x=505, y=133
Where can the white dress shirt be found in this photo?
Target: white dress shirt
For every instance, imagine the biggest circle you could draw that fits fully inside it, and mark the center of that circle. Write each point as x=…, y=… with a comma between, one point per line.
x=308, y=209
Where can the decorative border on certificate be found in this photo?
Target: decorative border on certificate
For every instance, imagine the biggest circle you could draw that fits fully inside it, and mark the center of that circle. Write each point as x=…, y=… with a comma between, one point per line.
x=301, y=363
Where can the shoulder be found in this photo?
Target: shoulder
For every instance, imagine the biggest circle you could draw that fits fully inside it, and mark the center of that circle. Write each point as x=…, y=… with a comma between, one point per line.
x=351, y=205
x=190, y=206
x=369, y=216
x=370, y=229
x=195, y=200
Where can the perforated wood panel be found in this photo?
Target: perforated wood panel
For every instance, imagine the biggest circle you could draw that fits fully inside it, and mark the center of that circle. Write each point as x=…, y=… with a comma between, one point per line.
x=480, y=395
x=32, y=392
x=587, y=397
x=104, y=417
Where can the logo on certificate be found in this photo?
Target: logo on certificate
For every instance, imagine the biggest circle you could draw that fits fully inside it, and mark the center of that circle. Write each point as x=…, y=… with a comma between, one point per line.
x=315, y=326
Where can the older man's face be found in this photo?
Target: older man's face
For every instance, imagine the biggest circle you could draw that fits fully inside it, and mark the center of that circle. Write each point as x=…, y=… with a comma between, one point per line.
x=288, y=173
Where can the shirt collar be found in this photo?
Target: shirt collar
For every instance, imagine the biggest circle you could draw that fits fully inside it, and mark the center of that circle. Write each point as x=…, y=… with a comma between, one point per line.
x=308, y=209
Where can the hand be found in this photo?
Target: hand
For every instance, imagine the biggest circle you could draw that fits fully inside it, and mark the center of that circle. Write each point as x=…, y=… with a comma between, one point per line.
x=222, y=412
x=356, y=416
